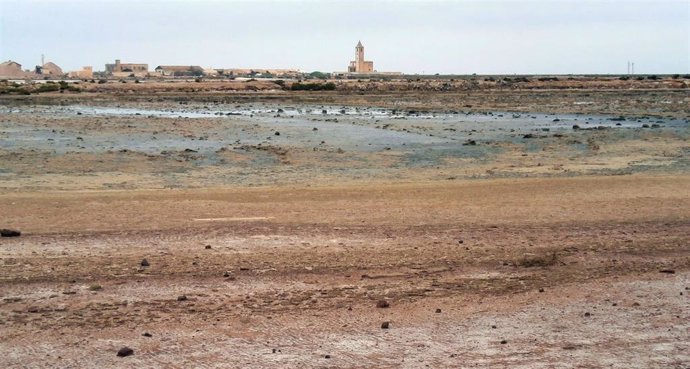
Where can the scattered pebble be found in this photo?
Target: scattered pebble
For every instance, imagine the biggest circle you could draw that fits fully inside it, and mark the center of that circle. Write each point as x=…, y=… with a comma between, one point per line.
x=125, y=351
x=385, y=325
x=382, y=304
x=10, y=233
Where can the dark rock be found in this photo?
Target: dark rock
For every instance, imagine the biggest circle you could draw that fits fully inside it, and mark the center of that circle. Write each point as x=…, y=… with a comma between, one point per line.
x=208, y=247
x=327, y=356
x=190, y=150
x=277, y=133
x=541, y=290
x=493, y=327
x=645, y=125
x=144, y=263
x=10, y=233
x=147, y=334
x=438, y=311
x=382, y=304
x=125, y=351
x=503, y=342
x=529, y=135
x=576, y=127
x=667, y=271
x=226, y=274
x=182, y=298
x=587, y=314
x=385, y=325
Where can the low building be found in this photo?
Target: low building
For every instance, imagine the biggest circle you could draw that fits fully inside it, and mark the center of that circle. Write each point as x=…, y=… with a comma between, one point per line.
x=49, y=69
x=11, y=69
x=180, y=70
x=259, y=72
x=120, y=69
x=84, y=73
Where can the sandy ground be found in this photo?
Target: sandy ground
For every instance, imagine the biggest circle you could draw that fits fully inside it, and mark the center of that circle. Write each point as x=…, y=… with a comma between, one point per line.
x=300, y=271
x=568, y=248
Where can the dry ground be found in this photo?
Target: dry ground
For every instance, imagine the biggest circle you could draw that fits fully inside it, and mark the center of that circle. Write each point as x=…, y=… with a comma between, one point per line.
x=576, y=271
x=566, y=272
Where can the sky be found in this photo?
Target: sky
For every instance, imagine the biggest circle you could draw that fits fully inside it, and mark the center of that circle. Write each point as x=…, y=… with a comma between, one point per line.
x=425, y=37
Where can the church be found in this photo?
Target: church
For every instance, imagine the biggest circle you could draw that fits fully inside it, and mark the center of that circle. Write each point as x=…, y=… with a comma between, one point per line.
x=359, y=65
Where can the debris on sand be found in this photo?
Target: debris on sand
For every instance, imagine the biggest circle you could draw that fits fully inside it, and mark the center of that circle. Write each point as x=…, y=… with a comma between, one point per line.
x=144, y=263
x=382, y=304
x=10, y=233
x=125, y=351
x=667, y=271
x=182, y=298
x=385, y=325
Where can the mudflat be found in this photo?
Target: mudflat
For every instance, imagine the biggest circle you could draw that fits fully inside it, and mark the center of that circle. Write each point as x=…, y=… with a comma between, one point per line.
x=436, y=238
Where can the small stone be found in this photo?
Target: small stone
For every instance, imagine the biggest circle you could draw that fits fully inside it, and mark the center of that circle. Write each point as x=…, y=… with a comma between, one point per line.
x=541, y=290
x=144, y=263
x=438, y=311
x=125, y=351
x=182, y=298
x=667, y=271
x=226, y=274
x=385, y=325
x=587, y=314
x=382, y=304
x=493, y=327
x=208, y=247
x=147, y=334
x=327, y=356
x=9, y=233
x=277, y=133
x=504, y=342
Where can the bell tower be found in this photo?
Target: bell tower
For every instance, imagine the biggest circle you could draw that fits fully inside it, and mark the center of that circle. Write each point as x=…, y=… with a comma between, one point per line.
x=359, y=65
x=359, y=52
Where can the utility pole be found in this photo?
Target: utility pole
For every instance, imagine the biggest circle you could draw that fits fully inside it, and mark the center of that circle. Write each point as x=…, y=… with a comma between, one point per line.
x=633, y=68
x=628, y=67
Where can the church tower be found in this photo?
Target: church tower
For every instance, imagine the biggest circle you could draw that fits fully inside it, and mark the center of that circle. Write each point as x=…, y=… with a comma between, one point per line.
x=359, y=55
x=359, y=65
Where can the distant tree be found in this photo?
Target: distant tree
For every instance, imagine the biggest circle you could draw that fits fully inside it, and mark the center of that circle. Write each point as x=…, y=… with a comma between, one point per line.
x=319, y=75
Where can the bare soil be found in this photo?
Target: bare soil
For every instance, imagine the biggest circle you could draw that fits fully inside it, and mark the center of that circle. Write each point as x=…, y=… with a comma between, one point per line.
x=493, y=259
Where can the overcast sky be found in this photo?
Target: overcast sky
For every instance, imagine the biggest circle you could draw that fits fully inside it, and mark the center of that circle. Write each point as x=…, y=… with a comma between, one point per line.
x=463, y=37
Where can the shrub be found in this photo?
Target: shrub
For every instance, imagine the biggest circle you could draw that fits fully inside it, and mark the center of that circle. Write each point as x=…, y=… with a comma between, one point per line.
x=653, y=77
x=624, y=78
x=47, y=87
x=297, y=86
